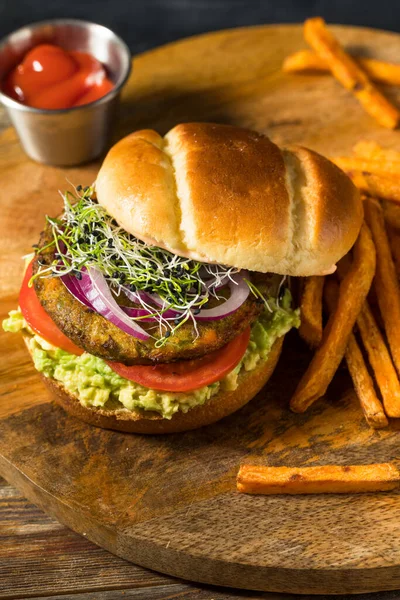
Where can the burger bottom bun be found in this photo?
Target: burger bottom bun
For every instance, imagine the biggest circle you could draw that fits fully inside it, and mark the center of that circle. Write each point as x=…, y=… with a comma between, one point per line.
x=221, y=405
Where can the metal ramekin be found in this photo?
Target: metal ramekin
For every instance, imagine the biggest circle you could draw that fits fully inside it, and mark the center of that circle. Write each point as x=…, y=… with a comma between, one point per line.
x=74, y=135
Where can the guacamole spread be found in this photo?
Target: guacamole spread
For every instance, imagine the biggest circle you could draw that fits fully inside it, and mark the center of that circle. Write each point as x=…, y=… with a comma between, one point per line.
x=96, y=384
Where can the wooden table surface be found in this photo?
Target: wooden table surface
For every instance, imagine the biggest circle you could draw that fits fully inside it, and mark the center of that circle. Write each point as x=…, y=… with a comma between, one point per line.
x=42, y=559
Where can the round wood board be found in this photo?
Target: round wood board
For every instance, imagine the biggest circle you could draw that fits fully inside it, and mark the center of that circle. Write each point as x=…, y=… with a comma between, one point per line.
x=169, y=503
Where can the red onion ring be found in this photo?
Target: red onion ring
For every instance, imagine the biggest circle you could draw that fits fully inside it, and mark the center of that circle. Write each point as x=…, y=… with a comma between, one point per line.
x=239, y=293
x=95, y=288
x=93, y=291
x=72, y=285
x=136, y=296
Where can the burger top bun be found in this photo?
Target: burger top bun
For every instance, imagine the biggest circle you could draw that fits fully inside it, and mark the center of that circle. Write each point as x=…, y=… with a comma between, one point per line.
x=222, y=194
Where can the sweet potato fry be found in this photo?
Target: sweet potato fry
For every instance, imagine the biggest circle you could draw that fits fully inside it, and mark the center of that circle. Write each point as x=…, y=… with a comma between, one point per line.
x=371, y=406
x=380, y=360
x=386, y=283
x=378, y=353
x=311, y=311
x=353, y=291
x=363, y=384
x=376, y=185
x=305, y=60
x=371, y=150
x=342, y=268
x=349, y=74
x=326, y=479
x=391, y=211
x=377, y=70
x=377, y=166
x=394, y=241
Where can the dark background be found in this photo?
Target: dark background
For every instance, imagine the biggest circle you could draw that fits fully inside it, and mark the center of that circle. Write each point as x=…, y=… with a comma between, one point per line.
x=148, y=23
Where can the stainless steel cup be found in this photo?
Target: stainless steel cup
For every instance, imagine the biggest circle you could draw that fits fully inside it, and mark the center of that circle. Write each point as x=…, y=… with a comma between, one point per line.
x=74, y=135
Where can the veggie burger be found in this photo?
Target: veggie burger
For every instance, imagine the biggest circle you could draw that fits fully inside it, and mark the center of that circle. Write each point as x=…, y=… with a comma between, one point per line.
x=158, y=300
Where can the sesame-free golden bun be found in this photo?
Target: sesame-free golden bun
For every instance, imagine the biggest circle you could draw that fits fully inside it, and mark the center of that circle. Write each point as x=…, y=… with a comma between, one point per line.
x=223, y=194
x=221, y=405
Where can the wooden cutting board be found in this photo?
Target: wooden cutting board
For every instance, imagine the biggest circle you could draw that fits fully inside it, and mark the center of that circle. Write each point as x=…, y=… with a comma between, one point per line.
x=169, y=503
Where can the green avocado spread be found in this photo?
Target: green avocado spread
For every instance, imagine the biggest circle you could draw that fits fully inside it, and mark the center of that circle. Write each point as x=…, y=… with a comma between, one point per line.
x=96, y=384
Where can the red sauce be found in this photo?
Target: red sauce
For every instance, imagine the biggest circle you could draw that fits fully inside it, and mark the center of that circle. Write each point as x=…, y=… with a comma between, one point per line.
x=50, y=77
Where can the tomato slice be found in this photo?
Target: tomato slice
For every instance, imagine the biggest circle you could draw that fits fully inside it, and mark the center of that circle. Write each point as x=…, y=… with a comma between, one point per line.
x=188, y=375
x=38, y=319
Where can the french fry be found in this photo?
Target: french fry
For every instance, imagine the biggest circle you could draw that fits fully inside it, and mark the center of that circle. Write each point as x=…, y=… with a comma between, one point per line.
x=377, y=166
x=379, y=70
x=371, y=406
x=371, y=150
x=353, y=291
x=386, y=283
x=380, y=360
x=376, y=185
x=349, y=74
x=304, y=60
x=394, y=241
x=326, y=479
x=307, y=60
x=391, y=211
x=342, y=268
x=363, y=384
x=378, y=353
x=311, y=311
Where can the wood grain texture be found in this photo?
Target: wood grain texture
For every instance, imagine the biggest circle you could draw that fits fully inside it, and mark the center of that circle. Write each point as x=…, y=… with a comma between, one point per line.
x=203, y=593
x=42, y=559
x=170, y=503
x=39, y=556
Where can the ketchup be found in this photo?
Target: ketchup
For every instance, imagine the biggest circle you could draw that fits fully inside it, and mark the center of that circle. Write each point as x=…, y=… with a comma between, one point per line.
x=50, y=77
